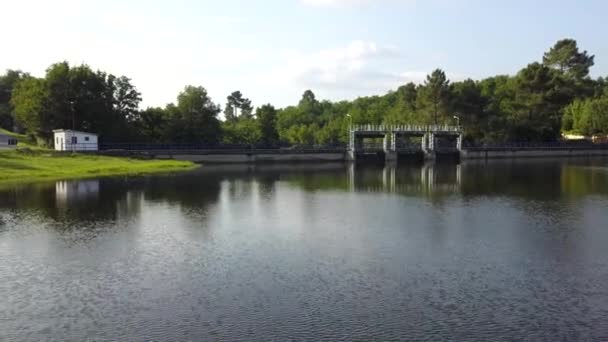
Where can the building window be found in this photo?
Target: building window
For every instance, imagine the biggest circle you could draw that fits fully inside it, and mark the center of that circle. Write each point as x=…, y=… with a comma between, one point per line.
x=56, y=140
x=74, y=140
x=86, y=138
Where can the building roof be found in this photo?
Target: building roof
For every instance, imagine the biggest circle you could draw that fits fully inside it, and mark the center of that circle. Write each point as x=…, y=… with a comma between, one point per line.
x=72, y=131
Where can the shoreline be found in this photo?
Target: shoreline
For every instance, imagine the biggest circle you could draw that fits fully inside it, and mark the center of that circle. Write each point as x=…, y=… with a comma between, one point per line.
x=39, y=166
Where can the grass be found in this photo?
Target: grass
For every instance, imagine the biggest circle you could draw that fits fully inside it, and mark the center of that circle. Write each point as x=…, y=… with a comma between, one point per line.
x=20, y=166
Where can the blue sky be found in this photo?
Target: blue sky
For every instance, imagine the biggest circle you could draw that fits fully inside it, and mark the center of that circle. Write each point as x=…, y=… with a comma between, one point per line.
x=273, y=50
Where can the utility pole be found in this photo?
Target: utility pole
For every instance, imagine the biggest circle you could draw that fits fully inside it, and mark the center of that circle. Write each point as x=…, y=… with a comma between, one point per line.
x=73, y=124
x=73, y=114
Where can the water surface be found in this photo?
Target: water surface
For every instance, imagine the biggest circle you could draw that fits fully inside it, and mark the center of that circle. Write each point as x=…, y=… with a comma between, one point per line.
x=509, y=250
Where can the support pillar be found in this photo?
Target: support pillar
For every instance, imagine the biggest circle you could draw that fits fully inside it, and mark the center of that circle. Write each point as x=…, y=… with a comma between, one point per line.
x=459, y=146
x=431, y=141
x=428, y=145
x=390, y=154
x=351, y=153
x=459, y=142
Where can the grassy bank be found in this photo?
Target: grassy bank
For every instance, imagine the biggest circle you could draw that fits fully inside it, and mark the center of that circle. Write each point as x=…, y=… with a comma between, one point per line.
x=29, y=166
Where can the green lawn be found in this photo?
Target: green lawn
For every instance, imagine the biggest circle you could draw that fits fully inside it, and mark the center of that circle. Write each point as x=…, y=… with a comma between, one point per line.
x=29, y=165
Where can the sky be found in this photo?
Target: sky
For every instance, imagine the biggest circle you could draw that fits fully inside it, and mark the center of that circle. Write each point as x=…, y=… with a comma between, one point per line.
x=273, y=50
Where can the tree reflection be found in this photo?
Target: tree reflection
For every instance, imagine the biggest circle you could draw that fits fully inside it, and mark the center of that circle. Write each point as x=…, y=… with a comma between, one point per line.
x=122, y=198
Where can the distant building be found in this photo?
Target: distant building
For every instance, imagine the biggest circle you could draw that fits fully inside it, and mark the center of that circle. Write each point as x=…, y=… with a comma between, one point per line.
x=575, y=137
x=600, y=139
x=69, y=140
x=7, y=142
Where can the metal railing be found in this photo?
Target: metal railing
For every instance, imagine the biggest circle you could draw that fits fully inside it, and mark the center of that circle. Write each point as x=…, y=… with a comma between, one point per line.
x=232, y=148
x=406, y=128
x=78, y=147
x=558, y=145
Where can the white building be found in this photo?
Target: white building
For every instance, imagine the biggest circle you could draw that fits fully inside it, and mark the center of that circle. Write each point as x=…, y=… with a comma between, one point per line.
x=68, y=140
x=7, y=142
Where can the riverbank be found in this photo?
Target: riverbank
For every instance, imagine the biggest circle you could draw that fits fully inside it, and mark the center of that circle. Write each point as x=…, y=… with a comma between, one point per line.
x=29, y=166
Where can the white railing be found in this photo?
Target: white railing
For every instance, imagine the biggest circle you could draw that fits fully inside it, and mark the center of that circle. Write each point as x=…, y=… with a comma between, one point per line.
x=405, y=128
x=78, y=147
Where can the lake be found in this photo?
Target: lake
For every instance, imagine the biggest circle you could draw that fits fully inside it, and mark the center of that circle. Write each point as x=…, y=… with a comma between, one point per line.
x=481, y=251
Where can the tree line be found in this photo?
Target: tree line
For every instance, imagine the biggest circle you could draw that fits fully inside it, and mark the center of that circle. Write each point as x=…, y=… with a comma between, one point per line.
x=539, y=103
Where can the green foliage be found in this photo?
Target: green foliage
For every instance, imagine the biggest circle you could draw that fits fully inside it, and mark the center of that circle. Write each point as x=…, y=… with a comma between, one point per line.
x=151, y=124
x=74, y=97
x=536, y=104
x=468, y=105
x=535, y=110
x=435, y=96
x=266, y=117
x=194, y=119
x=402, y=108
x=29, y=100
x=8, y=81
x=565, y=57
x=587, y=117
x=243, y=131
x=236, y=102
x=314, y=123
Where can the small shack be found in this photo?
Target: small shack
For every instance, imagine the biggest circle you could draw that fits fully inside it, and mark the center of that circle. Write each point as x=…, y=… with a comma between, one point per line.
x=7, y=142
x=75, y=141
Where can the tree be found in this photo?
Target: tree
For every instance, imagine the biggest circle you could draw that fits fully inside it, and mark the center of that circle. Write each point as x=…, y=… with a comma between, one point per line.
x=8, y=82
x=266, y=117
x=194, y=119
x=566, y=57
x=80, y=98
x=243, y=131
x=150, y=125
x=309, y=108
x=536, y=109
x=536, y=104
x=498, y=92
x=125, y=97
x=29, y=100
x=434, y=95
x=468, y=105
x=402, y=106
x=236, y=102
x=587, y=117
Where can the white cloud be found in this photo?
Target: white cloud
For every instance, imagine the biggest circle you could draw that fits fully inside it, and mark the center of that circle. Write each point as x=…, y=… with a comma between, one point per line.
x=162, y=54
x=357, y=69
x=360, y=68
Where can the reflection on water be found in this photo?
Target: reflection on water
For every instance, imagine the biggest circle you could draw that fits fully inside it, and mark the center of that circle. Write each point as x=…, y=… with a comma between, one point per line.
x=429, y=179
x=506, y=250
